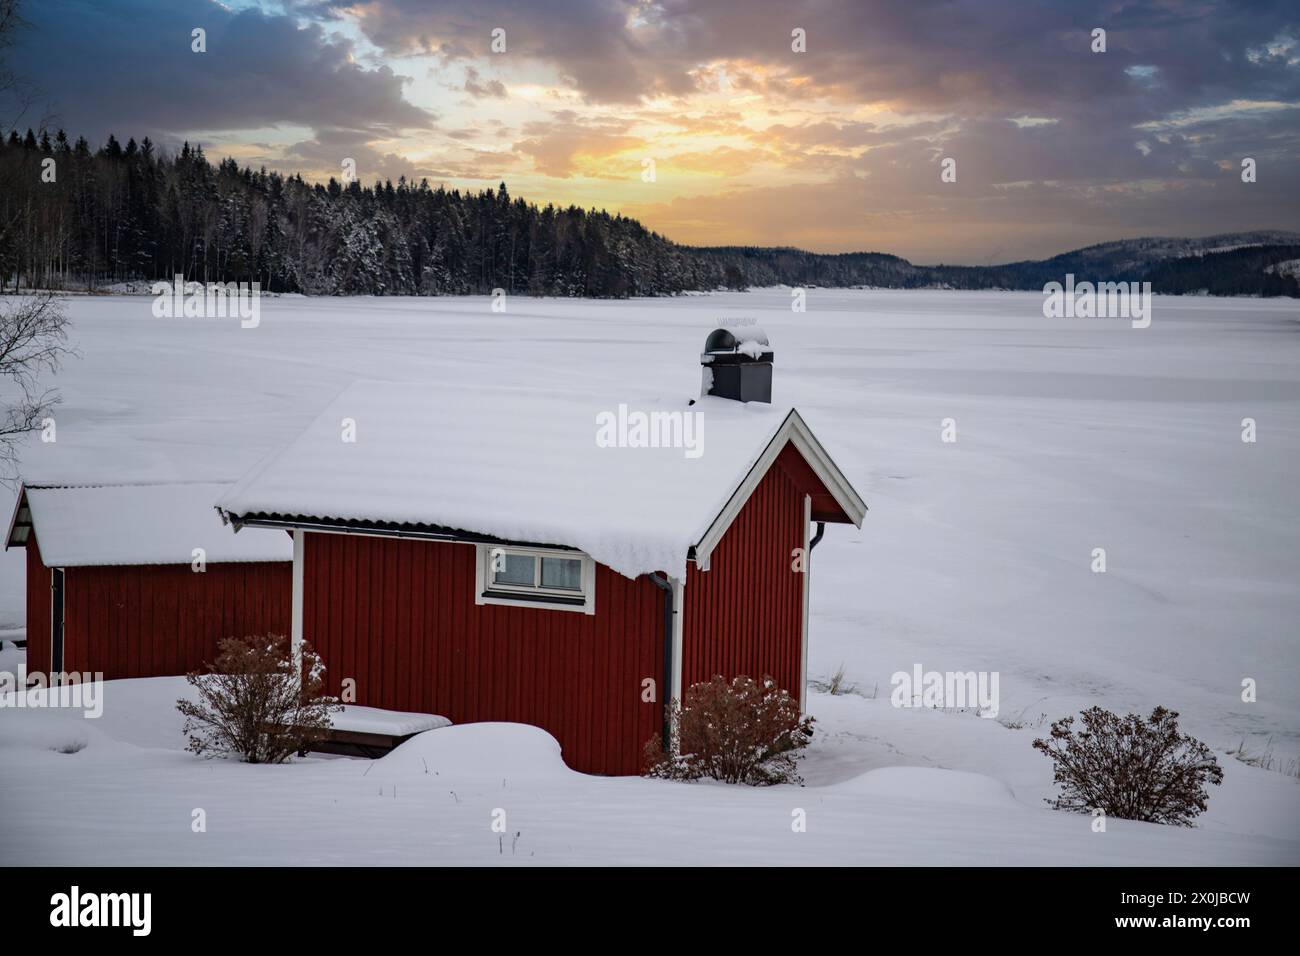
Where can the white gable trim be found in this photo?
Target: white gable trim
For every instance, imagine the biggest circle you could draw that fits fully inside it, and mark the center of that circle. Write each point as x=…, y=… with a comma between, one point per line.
x=13, y=520
x=794, y=431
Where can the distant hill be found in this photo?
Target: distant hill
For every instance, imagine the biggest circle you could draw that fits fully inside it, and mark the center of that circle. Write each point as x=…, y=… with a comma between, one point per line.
x=1134, y=257
x=1240, y=263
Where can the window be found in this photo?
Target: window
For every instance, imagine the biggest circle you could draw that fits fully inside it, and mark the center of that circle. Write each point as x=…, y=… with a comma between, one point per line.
x=564, y=574
x=535, y=577
x=513, y=570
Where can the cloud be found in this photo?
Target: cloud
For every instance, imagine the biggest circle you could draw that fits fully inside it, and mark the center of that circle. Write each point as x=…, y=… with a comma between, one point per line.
x=326, y=152
x=1022, y=191
x=836, y=148
x=1050, y=138
x=723, y=161
x=476, y=87
x=982, y=56
x=565, y=146
x=594, y=45
x=128, y=67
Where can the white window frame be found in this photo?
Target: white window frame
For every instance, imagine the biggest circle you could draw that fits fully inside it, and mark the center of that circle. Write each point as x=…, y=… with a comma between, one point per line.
x=583, y=600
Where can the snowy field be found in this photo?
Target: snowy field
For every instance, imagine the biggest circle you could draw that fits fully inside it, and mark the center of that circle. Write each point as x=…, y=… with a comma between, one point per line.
x=976, y=555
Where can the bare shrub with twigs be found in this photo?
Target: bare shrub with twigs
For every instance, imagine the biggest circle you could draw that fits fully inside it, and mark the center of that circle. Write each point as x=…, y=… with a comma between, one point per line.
x=737, y=731
x=253, y=705
x=1131, y=767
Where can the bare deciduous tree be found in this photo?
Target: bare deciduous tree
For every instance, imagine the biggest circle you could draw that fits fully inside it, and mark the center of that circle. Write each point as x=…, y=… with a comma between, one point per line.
x=10, y=21
x=33, y=341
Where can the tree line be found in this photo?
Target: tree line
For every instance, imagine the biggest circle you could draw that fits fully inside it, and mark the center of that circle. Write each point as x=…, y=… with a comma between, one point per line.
x=72, y=217
x=76, y=217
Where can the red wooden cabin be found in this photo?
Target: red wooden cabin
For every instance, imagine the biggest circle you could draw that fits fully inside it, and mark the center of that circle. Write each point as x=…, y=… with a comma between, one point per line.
x=483, y=556
x=113, y=579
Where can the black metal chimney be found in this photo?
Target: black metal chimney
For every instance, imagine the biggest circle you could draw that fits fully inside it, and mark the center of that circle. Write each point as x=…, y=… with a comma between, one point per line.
x=737, y=364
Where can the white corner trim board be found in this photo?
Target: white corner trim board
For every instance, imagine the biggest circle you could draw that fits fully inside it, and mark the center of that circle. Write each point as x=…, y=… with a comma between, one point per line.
x=296, y=637
x=679, y=619
x=807, y=584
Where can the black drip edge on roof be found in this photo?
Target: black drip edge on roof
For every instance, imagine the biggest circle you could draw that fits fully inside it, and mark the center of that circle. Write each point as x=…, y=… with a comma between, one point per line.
x=384, y=529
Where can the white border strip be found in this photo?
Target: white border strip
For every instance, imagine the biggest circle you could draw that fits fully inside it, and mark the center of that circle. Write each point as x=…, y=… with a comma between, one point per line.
x=299, y=550
x=807, y=583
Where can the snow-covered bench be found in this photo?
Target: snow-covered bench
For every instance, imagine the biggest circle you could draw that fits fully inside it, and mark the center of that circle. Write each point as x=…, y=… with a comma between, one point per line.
x=371, y=732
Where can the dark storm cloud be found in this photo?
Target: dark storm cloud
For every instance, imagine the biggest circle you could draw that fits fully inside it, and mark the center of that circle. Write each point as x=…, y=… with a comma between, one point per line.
x=329, y=149
x=973, y=55
x=978, y=62
x=476, y=86
x=127, y=67
x=587, y=41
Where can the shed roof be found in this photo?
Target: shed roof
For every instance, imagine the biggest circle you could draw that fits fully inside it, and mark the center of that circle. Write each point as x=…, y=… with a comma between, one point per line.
x=128, y=524
x=526, y=465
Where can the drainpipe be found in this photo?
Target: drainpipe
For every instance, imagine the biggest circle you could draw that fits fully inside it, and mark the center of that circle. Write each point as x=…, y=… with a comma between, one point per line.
x=667, y=587
x=821, y=530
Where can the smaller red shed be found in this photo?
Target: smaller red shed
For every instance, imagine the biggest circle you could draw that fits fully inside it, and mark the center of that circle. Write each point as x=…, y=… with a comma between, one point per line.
x=142, y=580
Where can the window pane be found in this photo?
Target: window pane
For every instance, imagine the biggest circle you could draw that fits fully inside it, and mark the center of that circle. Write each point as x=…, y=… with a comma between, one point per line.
x=516, y=569
x=562, y=573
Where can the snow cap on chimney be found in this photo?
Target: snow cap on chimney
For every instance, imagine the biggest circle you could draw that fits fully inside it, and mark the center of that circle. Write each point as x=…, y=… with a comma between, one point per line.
x=737, y=362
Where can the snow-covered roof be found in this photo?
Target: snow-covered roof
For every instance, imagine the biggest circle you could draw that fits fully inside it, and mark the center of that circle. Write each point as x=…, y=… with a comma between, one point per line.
x=125, y=524
x=521, y=465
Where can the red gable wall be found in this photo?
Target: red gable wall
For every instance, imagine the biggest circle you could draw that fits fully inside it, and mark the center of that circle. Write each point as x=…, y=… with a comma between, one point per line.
x=745, y=614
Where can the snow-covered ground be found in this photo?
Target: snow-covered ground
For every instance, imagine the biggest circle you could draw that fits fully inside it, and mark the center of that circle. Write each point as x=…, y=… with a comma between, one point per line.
x=129, y=795
x=976, y=555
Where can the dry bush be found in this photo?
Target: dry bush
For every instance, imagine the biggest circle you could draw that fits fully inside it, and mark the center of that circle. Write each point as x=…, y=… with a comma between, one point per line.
x=1265, y=759
x=252, y=705
x=1021, y=720
x=739, y=731
x=837, y=684
x=1130, y=767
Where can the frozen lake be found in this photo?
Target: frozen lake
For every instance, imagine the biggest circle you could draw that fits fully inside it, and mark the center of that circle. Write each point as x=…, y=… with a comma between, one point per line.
x=1072, y=434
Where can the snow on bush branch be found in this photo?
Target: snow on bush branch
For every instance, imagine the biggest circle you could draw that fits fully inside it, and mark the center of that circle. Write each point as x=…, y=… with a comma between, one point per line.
x=739, y=731
x=251, y=704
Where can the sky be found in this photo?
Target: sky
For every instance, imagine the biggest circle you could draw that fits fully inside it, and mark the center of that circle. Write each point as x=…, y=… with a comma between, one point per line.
x=822, y=125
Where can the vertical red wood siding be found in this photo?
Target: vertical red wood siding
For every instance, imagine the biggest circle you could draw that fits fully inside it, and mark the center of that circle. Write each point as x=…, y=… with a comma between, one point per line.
x=398, y=616
x=38, y=609
x=161, y=620
x=744, y=616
